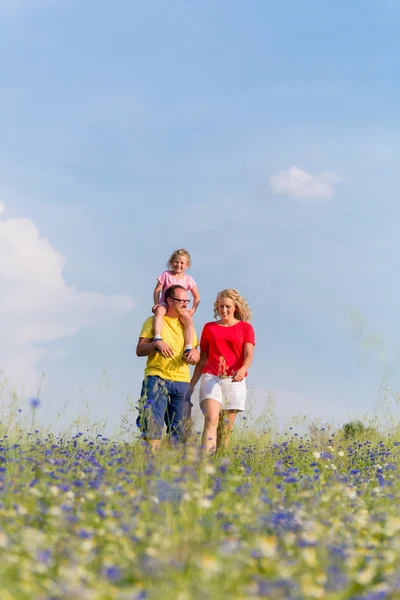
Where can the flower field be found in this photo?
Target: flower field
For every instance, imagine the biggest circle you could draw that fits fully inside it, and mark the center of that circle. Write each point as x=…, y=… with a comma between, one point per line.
x=86, y=517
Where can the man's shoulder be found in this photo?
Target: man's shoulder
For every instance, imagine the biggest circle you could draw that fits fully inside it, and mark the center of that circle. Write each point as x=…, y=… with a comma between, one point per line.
x=147, y=328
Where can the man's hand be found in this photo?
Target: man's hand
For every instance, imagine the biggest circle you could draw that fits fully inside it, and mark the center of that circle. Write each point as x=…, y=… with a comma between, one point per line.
x=193, y=356
x=239, y=375
x=163, y=348
x=153, y=310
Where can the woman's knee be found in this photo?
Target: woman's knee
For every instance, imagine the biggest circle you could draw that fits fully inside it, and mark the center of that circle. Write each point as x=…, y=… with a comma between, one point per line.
x=211, y=419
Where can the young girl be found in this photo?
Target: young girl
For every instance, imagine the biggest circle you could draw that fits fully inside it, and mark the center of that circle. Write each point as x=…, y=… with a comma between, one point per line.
x=178, y=262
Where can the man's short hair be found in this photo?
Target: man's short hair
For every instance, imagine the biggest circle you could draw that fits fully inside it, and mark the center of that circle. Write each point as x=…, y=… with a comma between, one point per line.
x=170, y=292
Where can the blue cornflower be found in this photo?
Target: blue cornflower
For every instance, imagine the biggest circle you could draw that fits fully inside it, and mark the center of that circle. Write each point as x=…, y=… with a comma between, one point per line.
x=44, y=556
x=112, y=573
x=34, y=402
x=84, y=535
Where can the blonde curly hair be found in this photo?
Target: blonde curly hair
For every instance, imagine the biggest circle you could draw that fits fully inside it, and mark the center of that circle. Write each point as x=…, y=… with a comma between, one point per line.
x=180, y=252
x=242, y=309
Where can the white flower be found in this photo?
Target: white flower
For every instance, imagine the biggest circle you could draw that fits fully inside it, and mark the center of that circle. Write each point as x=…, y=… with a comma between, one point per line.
x=317, y=455
x=351, y=493
x=205, y=503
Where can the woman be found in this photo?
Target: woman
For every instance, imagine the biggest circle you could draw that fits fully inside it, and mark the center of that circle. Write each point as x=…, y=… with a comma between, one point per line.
x=226, y=347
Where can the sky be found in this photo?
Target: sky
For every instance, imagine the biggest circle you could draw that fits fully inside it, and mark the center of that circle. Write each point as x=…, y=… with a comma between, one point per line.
x=262, y=136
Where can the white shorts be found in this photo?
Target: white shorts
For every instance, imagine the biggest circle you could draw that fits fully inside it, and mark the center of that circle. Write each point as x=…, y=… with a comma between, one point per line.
x=231, y=395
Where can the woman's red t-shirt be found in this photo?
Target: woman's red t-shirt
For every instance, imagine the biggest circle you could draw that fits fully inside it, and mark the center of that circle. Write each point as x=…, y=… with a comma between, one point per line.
x=225, y=347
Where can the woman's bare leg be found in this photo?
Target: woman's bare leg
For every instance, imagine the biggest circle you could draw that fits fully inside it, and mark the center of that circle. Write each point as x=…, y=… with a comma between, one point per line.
x=225, y=427
x=211, y=411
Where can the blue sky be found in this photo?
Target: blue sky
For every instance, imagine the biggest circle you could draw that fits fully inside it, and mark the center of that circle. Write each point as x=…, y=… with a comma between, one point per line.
x=262, y=136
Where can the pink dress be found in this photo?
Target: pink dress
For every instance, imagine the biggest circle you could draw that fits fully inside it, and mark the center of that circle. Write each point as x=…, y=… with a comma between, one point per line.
x=167, y=278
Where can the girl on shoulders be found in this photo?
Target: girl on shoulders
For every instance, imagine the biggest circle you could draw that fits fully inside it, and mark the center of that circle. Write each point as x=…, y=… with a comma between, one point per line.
x=178, y=263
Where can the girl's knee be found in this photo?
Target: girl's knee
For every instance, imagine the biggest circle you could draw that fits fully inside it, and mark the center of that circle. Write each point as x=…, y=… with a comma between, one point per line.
x=186, y=319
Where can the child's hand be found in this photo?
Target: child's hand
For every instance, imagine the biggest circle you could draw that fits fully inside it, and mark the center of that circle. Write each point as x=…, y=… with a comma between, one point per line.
x=191, y=311
x=153, y=310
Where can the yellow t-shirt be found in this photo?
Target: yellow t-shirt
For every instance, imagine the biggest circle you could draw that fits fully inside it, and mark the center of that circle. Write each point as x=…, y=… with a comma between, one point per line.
x=176, y=368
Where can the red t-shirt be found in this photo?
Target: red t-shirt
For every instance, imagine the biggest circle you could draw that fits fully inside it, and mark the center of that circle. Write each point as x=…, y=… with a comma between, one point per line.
x=225, y=347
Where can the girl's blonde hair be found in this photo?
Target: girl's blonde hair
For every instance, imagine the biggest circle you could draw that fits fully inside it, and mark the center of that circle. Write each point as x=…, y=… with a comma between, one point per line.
x=180, y=252
x=242, y=309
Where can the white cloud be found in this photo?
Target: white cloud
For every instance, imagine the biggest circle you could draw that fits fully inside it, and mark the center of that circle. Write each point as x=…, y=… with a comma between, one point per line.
x=297, y=183
x=36, y=304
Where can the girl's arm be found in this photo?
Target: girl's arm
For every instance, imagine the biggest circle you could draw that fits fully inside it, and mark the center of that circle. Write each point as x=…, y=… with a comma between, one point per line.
x=247, y=360
x=198, y=369
x=156, y=294
x=196, y=300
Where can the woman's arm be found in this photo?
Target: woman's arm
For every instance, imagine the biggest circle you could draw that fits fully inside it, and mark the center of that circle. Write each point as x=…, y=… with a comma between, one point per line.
x=247, y=360
x=197, y=370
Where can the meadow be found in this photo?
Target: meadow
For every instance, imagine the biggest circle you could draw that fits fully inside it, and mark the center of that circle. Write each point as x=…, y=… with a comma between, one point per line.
x=278, y=515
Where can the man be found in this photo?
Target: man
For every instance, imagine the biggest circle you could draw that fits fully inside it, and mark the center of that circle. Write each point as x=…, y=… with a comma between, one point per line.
x=167, y=374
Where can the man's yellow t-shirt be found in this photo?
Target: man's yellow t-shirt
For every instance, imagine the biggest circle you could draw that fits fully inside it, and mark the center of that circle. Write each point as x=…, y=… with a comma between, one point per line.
x=176, y=368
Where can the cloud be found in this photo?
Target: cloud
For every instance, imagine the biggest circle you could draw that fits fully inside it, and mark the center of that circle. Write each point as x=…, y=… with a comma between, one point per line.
x=36, y=304
x=297, y=183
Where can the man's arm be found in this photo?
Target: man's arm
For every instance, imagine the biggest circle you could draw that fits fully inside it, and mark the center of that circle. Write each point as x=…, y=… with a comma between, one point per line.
x=146, y=346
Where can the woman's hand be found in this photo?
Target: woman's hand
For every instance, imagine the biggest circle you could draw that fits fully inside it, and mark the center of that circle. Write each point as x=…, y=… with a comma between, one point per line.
x=239, y=375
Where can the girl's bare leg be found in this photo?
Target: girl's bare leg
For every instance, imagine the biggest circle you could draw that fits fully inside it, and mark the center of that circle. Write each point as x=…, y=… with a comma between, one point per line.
x=158, y=320
x=187, y=321
x=211, y=410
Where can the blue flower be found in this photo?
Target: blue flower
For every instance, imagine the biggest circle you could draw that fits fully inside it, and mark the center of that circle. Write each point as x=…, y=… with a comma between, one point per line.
x=34, y=402
x=112, y=573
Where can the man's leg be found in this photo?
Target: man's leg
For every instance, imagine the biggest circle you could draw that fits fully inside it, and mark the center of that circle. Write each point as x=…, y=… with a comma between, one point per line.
x=152, y=407
x=178, y=391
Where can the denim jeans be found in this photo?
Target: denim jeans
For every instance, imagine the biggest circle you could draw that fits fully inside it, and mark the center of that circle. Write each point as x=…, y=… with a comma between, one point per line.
x=162, y=401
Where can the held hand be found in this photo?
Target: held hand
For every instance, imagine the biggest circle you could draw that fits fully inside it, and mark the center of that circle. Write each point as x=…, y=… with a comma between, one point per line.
x=189, y=395
x=165, y=350
x=193, y=356
x=191, y=311
x=239, y=375
x=153, y=310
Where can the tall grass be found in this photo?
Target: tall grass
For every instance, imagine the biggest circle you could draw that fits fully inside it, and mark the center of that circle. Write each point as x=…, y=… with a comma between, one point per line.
x=299, y=512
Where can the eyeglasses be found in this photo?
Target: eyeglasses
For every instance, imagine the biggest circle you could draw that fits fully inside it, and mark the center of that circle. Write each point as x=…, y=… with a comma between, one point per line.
x=179, y=300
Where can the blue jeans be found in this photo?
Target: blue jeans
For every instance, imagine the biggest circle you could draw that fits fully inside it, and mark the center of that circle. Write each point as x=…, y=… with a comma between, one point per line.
x=162, y=401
